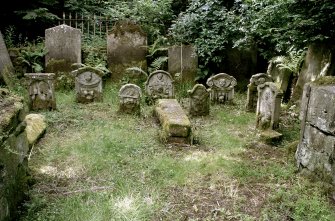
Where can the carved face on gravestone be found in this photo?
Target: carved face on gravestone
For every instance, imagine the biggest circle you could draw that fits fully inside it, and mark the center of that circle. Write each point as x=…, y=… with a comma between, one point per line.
x=159, y=85
x=88, y=84
x=130, y=95
x=40, y=90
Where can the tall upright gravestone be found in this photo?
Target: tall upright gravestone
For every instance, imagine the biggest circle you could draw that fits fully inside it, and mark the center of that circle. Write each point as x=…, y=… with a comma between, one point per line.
x=252, y=94
x=126, y=47
x=268, y=106
x=63, y=44
x=183, y=60
x=316, y=151
x=6, y=66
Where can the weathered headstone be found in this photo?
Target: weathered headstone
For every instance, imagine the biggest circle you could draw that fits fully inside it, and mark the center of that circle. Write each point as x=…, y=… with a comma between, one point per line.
x=268, y=106
x=41, y=91
x=316, y=151
x=252, y=94
x=6, y=66
x=221, y=88
x=126, y=47
x=130, y=99
x=183, y=60
x=199, y=100
x=176, y=127
x=159, y=85
x=63, y=44
x=88, y=84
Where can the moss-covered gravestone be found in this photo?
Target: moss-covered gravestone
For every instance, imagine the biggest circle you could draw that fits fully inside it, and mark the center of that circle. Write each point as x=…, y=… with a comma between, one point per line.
x=130, y=99
x=199, y=100
x=126, y=47
x=252, y=93
x=41, y=91
x=63, y=44
x=88, y=84
x=316, y=151
x=159, y=85
x=176, y=127
x=183, y=60
x=221, y=88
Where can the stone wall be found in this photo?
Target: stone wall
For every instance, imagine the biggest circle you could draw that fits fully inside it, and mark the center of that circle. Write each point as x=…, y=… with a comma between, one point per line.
x=14, y=149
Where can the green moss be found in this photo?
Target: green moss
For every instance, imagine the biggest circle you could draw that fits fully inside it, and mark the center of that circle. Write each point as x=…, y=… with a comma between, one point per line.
x=325, y=80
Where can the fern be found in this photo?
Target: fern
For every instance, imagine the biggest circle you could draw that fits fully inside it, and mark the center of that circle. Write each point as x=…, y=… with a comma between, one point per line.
x=158, y=62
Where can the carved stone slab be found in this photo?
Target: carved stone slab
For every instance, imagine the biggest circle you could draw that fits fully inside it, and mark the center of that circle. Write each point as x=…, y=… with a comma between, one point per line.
x=88, y=85
x=199, y=100
x=268, y=106
x=41, y=91
x=222, y=88
x=159, y=85
x=252, y=94
x=130, y=99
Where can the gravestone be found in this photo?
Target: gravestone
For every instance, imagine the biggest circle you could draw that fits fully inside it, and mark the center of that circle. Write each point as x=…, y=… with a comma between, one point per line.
x=183, y=60
x=252, y=93
x=88, y=84
x=41, y=91
x=199, y=100
x=221, y=88
x=268, y=106
x=126, y=47
x=176, y=127
x=63, y=43
x=315, y=150
x=159, y=85
x=130, y=99
x=6, y=66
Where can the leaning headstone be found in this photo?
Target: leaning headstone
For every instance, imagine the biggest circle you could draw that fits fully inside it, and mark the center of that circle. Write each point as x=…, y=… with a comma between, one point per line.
x=183, y=60
x=199, y=100
x=221, y=88
x=159, y=85
x=176, y=127
x=130, y=99
x=6, y=66
x=316, y=151
x=88, y=84
x=252, y=94
x=63, y=45
x=268, y=106
x=41, y=91
x=126, y=47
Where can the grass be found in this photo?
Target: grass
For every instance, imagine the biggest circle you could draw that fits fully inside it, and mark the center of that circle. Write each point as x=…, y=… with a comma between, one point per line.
x=95, y=164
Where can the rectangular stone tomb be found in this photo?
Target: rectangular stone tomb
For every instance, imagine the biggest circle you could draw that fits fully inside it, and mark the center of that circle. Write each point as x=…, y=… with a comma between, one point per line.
x=176, y=127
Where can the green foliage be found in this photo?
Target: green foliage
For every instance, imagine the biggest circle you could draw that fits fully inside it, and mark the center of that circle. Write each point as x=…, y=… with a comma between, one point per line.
x=32, y=56
x=94, y=51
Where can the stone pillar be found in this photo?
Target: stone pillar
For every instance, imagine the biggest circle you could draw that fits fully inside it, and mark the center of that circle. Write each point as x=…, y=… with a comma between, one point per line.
x=184, y=60
x=221, y=88
x=41, y=91
x=316, y=151
x=268, y=106
x=252, y=93
x=126, y=47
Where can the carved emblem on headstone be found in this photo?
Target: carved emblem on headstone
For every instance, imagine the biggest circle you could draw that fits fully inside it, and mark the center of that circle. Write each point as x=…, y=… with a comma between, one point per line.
x=88, y=84
x=130, y=99
x=252, y=94
x=41, y=91
x=268, y=106
x=159, y=85
x=222, y=88
x=199, y=100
